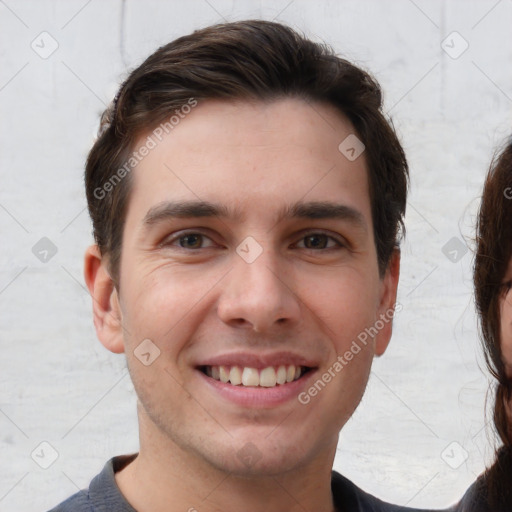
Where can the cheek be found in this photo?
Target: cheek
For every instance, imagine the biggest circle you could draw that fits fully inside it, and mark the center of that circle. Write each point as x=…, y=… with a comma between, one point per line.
x=346, y=304
x=169, y=306
x=159, y=305
x=346, y=379
x=506, y=330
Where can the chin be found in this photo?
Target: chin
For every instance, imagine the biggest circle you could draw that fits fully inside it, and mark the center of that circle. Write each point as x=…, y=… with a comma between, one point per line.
x=257, y=456
x=248, y=463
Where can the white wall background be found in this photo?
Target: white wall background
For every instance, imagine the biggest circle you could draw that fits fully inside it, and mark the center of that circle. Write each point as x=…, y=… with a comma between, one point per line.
x=58, y=384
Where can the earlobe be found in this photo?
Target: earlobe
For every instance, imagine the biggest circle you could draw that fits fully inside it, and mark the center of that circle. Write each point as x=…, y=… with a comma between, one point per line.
x=105, y=300
x=388, y=304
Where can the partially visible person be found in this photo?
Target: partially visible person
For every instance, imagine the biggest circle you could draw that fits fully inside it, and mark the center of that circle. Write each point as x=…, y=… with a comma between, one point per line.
x=493, y=294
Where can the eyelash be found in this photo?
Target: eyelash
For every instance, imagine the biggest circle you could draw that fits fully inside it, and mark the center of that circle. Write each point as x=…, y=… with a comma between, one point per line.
x=181, y=235
x=340, y=244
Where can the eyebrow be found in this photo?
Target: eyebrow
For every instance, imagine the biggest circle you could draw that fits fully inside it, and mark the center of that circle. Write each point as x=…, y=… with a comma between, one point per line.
x=168, y=210
x=325, y=210
x=184, y=210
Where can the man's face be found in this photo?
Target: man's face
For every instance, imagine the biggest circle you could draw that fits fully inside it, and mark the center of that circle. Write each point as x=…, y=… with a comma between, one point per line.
x=249, y=243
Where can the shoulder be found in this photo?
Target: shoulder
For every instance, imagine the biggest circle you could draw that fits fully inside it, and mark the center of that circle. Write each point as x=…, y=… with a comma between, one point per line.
x=103, y=493
x=492, y=491
x=474, y=499
x=77, y=503
x=347, y=496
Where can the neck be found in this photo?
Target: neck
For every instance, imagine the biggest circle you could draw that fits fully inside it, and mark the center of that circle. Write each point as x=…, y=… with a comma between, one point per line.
x=166, y=478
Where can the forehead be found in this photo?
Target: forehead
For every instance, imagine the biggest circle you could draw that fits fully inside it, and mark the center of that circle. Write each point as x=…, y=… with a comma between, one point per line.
x=254, y=156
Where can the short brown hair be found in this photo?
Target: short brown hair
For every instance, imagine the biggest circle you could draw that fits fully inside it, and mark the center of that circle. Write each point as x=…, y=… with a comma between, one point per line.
x=246, y=60
x=493, y=253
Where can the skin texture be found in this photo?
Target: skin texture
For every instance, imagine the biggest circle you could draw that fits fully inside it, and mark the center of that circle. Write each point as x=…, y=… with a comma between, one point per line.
x=196, y=303
x=506, y=323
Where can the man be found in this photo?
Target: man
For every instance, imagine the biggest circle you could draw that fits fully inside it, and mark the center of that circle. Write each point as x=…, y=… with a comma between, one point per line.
x=247, y=196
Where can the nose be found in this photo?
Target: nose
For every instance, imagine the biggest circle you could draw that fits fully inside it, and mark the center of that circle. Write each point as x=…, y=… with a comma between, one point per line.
x=257, y=296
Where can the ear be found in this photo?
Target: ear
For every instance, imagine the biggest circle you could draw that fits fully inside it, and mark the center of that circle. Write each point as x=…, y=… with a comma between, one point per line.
x=105, y=300
x=387, y=305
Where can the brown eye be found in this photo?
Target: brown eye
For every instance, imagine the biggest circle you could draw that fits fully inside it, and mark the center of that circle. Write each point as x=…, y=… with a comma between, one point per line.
x=193, y=241
x=316, y=241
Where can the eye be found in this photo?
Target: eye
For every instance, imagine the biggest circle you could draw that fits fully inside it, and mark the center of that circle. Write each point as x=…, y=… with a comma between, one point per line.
x=189, y=240
x=317, y=241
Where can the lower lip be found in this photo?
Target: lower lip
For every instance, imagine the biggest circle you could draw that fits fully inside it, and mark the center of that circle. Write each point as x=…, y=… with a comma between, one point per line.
x=259, y=397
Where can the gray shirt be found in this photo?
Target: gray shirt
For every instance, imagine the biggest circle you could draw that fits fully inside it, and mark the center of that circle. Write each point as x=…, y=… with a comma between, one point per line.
x=103, y=494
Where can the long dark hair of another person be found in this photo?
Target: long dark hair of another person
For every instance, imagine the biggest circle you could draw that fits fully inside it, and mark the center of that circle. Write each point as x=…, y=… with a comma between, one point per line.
x=493, y=253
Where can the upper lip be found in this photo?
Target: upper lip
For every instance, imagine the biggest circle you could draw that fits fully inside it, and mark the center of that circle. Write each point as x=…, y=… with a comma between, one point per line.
x=259, y=361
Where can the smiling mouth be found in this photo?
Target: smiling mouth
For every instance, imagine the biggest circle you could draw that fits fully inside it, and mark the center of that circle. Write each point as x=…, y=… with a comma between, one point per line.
x=268, y=377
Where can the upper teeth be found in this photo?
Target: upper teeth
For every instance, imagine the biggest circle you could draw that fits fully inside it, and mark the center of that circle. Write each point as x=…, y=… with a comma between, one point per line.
x=267, y=377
